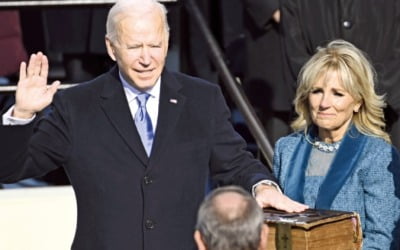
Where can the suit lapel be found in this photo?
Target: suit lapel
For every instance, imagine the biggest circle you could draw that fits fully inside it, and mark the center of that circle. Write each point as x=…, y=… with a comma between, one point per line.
x=342, y=167
x=294, y=183
x=115, y=106
x=340, y=170
x=170, y=109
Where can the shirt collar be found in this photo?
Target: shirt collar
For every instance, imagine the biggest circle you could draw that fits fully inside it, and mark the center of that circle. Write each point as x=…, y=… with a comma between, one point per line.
x=131, y=92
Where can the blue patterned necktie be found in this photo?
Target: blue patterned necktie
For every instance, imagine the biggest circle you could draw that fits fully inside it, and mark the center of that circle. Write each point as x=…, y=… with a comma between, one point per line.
x=143, y=122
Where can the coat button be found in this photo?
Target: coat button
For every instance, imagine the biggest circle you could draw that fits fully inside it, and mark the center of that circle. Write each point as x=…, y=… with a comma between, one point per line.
x=149, y=224
x=347, y=24
x=147, y=180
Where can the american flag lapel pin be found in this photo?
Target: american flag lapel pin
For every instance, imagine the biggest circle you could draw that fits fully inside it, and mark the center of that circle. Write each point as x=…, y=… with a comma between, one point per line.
x=174, y=101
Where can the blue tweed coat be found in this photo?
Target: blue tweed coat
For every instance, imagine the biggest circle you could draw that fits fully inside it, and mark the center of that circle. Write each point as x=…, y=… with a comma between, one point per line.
x=364, y=177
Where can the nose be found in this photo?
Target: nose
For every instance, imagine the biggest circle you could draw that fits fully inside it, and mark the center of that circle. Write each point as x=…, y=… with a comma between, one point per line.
x=145, y=56
x=325, y=101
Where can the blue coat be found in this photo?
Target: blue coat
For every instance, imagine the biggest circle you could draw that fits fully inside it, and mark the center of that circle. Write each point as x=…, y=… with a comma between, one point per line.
x=364, y=177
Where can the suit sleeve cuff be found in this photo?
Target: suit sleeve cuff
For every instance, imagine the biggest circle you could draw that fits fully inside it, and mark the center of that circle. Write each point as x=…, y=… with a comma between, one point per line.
x=9, y=120
x=264, y=182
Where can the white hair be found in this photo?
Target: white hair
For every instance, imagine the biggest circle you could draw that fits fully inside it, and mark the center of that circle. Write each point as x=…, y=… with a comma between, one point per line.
x=123, y=8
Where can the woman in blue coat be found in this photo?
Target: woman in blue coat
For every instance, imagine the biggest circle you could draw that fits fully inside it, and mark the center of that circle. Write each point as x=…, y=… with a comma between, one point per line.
x=339, y=156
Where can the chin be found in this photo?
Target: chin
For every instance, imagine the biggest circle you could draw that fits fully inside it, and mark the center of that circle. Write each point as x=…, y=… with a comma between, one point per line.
x=326, y=126
x=145, y=84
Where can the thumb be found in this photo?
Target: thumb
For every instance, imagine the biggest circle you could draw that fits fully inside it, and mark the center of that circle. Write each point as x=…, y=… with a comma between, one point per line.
x=53, y=87
x=260, y=202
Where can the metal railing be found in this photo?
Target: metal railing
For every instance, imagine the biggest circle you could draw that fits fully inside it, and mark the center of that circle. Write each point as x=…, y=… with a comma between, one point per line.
x=41, y=3
x=232, y=86
x=13, y=88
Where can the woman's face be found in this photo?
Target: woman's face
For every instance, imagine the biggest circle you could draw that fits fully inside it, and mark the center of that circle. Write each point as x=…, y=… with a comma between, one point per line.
x=331, y=107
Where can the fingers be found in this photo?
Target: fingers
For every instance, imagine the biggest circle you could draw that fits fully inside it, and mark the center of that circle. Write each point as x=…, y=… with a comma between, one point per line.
x=295, y=207
x=38, y=65
x=290, y=206
x=22, y=71
x=31, y=65
x=44, y=69
x=275, y=199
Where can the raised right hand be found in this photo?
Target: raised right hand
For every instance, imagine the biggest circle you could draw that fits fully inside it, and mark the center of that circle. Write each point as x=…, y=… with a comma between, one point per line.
x=33, y=94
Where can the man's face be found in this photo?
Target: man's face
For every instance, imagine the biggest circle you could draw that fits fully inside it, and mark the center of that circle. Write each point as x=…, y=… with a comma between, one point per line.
x=140, y=49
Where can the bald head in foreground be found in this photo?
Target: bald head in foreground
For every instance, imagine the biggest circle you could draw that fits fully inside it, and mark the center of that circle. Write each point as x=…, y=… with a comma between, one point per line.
x=230, y=219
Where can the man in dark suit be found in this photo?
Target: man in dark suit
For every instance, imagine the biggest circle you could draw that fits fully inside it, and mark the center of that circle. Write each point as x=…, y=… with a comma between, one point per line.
x=132, y=194
x=263, y=77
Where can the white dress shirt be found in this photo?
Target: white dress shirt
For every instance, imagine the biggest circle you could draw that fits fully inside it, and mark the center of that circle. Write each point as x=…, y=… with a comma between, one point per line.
x=152, y=103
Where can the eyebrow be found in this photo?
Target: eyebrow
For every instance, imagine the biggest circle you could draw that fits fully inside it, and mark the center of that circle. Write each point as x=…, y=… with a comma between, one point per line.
x=336, y=89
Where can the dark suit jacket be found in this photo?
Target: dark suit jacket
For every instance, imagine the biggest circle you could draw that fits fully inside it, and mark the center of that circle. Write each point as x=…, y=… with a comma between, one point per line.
x=125, y=199
x=263, y=77
x=373, y=26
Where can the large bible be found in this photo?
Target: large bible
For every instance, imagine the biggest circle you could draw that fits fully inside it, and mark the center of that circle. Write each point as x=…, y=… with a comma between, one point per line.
x=313, y=229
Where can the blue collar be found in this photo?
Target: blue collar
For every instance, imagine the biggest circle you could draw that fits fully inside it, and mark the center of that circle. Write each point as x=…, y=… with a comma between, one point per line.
x=341, y=168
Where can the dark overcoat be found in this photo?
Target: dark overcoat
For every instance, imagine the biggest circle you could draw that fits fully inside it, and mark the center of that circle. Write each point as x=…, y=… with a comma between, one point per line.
x=263, y=77
x=372, y=26
x=126, y=200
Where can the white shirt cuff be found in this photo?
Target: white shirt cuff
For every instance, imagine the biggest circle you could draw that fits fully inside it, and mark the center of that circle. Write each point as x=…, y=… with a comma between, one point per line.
x=265, y=182
x=9, y=120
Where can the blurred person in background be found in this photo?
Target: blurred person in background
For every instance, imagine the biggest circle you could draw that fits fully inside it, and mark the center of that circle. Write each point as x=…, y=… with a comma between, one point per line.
x=263, y=77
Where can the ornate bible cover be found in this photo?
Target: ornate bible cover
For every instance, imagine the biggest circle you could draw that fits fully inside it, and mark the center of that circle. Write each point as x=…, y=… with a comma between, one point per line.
x=313, y=229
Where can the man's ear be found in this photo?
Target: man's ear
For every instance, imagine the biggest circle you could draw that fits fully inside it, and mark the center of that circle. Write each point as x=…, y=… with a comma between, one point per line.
x=264, y=237
x=199, y=240
x=110, y=49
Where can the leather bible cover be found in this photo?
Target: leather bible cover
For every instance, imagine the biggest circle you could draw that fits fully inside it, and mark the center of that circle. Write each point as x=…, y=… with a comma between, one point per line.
x=313, y=229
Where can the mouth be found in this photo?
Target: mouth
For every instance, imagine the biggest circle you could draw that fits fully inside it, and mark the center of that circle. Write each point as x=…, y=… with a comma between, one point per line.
x=325, y=115
x=144, y=71
x=145, y=74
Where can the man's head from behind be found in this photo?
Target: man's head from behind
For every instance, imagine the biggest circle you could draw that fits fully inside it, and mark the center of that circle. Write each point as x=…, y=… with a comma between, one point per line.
x=230, y=219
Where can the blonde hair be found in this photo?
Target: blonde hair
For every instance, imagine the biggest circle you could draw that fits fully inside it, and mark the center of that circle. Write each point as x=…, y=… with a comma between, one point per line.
x=357, y=76
x=124, y=8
